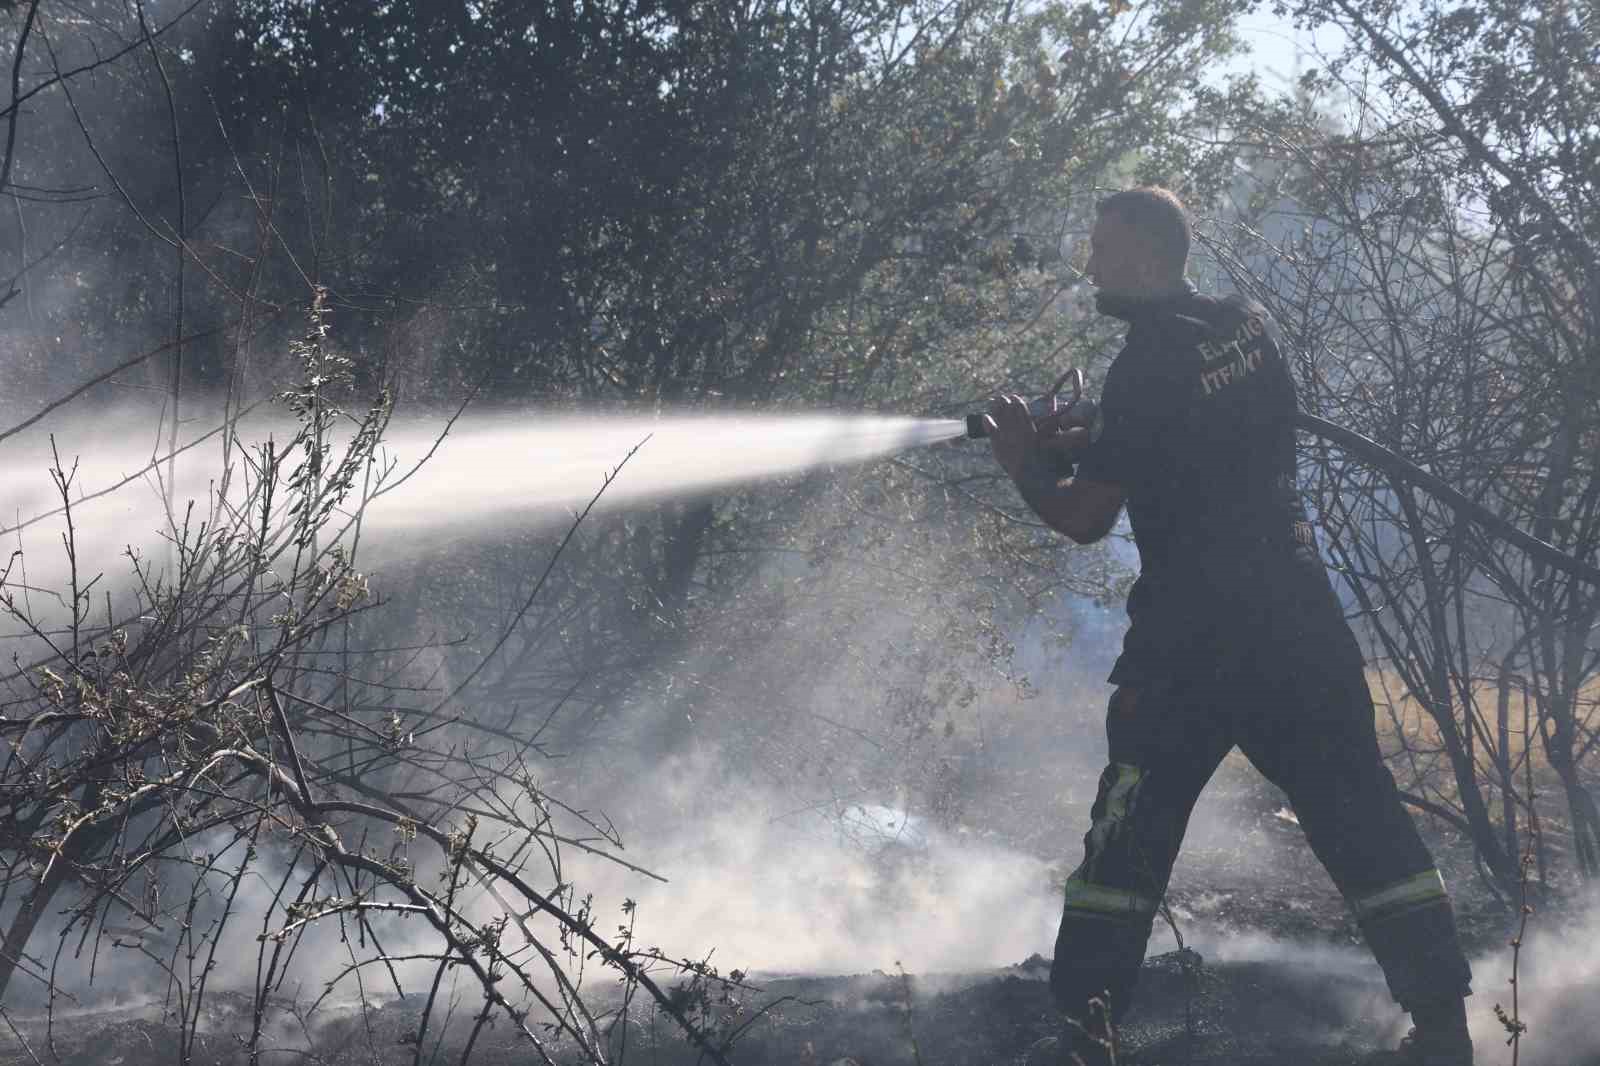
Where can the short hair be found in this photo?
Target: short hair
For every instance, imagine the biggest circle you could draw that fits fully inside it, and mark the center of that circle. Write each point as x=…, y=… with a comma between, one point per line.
x=1158, y=216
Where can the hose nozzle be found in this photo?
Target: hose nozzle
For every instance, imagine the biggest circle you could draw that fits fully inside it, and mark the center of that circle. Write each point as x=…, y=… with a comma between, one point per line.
x=1079, y=412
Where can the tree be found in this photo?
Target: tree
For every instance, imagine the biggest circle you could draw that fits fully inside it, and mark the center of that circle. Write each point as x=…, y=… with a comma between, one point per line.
x=1441, y=290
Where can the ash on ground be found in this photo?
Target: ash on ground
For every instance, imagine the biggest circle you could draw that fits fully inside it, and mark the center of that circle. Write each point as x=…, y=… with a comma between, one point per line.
x=1192, y=1012
x=1277, y=975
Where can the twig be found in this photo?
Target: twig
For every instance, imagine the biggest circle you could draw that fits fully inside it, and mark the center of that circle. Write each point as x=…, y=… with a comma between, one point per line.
x=20, y=1038
x=1514, y=1026
x=911, y=1033
x=1189, y=963
x=103, y=376
x=16, y=93
x=550, y=566
x=59, y=76
x=180, y=247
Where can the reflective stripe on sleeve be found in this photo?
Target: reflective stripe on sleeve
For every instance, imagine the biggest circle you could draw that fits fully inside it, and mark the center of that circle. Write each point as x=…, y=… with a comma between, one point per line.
x=1107, y=902
x=1426, y=887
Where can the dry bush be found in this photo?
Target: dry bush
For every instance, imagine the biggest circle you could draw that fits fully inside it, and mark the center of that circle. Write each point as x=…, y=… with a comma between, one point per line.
x=212, y=775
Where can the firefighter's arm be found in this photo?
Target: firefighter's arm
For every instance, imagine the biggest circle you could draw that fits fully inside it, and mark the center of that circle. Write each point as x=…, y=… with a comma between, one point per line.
x=1083, y=510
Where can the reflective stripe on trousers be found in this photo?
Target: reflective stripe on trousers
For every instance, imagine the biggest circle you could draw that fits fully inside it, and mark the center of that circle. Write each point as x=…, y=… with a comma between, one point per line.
x=1395, y=899
x=1119, y=794
x=1117, y=798
x=1109, y=902
x=1098, y=901
x=1309, y=727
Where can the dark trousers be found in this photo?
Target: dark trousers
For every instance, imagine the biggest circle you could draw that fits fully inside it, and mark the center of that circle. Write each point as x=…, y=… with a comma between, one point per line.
x=1308, y=727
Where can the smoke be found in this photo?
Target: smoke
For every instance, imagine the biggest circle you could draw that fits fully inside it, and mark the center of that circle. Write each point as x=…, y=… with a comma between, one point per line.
x=106, y=954
x=1558, y=980
x=760, y=872
x=797, y=894
x=750, y=878
x=1558, y=985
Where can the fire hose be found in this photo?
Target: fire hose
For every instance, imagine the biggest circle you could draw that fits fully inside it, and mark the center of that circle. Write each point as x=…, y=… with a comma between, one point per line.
x=1083, y=412
x=1397, y=466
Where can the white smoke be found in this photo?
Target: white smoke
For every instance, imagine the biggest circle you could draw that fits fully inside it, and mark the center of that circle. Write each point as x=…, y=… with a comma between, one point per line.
x=801, y=895
x=1558, y=988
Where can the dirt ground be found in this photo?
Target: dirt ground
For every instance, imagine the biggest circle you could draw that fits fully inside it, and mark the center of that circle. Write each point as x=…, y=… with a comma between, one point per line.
x=1284, y=982
x=1230, y=1014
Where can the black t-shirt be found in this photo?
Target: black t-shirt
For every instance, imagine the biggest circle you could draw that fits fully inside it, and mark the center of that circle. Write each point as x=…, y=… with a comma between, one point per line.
x=1199, y=415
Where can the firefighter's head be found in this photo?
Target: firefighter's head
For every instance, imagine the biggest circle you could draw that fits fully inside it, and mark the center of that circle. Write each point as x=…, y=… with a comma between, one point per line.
x=1140, y=244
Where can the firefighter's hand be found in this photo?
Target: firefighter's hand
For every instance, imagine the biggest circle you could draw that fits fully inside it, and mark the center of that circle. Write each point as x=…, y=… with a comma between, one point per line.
x=1061, y=437
x=1012, y=434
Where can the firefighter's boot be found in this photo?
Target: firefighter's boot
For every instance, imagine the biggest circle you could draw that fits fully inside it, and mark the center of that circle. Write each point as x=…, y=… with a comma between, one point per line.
x=1439, y=1038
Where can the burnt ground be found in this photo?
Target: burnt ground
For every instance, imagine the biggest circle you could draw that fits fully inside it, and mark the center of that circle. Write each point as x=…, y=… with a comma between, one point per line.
x=1237, y=1013
x=1283, y=981
x=1252, y=1002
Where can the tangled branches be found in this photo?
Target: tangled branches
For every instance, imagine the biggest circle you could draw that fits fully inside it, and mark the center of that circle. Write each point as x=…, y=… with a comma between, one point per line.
x=199, y=767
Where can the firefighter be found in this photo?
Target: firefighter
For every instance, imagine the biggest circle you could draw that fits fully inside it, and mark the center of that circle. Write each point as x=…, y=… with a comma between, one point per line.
x=1235, y=635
